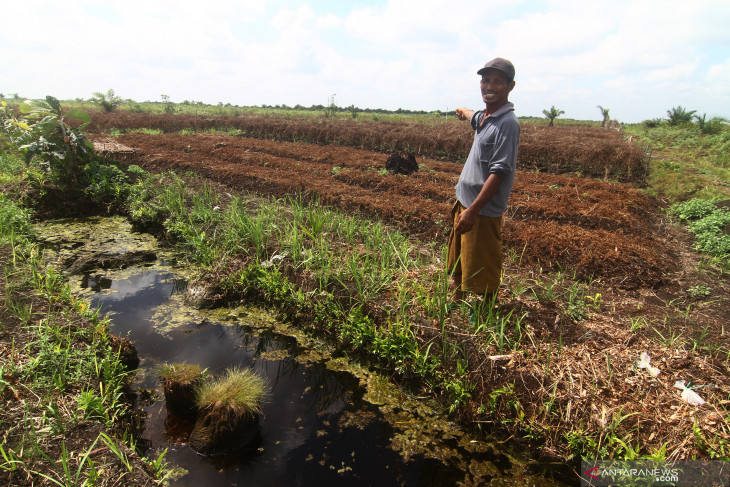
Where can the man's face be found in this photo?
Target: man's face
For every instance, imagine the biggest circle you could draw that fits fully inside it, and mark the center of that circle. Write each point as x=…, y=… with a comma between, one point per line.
x=495, y=87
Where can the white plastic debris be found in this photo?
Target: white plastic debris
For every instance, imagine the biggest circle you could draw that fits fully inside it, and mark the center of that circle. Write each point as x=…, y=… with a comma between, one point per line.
x=645, y=363
x=688, y=395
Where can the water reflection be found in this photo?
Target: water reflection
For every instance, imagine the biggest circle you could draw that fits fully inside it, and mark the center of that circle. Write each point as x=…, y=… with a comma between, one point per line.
x=96, y=282
x=315, y=427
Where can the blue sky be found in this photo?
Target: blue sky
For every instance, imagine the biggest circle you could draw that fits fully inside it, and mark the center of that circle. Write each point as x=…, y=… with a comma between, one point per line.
x=638, y=58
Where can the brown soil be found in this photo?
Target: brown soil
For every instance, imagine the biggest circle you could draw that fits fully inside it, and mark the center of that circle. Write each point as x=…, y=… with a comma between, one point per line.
x=577, y=378
x=594, y=228
x=590, y=150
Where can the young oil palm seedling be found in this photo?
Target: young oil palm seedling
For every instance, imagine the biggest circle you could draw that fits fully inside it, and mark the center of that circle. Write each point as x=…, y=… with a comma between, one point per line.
x=228, y=412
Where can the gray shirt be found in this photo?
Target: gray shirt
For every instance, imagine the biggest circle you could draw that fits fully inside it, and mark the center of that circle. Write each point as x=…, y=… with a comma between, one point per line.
x=494, y=151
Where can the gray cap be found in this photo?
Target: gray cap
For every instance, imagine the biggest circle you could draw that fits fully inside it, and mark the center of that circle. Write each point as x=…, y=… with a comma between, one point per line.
x=500, y=64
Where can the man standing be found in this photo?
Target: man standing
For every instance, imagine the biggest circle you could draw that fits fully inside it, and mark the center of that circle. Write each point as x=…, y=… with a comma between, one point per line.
x=475, y=243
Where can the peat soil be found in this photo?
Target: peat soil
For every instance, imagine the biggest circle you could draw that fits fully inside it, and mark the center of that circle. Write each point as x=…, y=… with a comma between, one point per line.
x=607, y=235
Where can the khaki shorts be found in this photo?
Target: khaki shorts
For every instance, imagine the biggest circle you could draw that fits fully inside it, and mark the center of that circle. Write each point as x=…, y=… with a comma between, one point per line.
x=475, y=257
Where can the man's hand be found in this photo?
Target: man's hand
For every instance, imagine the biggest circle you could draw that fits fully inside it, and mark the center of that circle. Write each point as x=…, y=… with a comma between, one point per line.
x=466, y=221
x=464, y=113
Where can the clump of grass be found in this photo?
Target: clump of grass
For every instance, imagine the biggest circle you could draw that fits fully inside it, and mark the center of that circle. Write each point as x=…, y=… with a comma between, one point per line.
x=180, y=382
x=239, y=390
x=182, y=373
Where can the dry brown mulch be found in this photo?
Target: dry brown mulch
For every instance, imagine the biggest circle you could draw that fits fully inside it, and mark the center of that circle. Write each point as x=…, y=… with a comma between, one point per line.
x=551, y=217
x=593, y=151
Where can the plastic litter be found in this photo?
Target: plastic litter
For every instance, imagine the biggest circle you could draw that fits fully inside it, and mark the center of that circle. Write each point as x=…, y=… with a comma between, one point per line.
x=644, y=362
x=688, y=395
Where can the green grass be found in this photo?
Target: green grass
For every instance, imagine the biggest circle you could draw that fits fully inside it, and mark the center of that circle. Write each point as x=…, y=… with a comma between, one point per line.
x=180, y=373
x=686, y=163
x=12, y=166
x=240, y=390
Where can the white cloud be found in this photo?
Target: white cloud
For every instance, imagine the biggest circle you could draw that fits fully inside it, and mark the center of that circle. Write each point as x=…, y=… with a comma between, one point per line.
x=719, y=76
x=635, y=55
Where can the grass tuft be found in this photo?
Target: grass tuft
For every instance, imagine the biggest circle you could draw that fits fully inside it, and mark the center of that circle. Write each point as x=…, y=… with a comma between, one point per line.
x=180, y=373
x=240, y=390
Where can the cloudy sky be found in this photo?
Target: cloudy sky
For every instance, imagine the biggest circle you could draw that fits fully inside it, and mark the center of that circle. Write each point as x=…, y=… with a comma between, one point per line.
x=638, y=58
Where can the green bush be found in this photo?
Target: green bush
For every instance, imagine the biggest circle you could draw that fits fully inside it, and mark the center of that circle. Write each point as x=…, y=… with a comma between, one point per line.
x=707, y=223
x=653, y=122
x=710, y=233
x=105, y=184
x=693, y=209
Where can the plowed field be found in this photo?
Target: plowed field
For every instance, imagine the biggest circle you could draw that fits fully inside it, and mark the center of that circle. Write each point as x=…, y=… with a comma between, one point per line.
x=595, y=228
x=574, y=381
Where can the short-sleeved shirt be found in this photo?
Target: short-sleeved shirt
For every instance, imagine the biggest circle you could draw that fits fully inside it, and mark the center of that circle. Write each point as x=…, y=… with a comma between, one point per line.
x=494, y=151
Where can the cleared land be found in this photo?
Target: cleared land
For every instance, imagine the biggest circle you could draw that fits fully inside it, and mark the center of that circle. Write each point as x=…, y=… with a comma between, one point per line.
x=574, y=381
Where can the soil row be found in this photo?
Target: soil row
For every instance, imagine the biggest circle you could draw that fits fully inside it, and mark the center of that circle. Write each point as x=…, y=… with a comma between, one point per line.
x=590, y=150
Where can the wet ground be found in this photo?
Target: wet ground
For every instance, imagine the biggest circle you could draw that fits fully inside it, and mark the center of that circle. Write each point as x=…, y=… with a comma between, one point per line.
x=325, y=421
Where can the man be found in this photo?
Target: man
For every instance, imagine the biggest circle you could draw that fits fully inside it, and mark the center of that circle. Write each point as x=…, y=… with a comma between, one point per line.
x=475, y=243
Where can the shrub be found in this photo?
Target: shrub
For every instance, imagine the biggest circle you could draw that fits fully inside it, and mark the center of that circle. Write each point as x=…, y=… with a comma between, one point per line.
x=653, y=122
x=708, y=223
x=60, y=148
x=105, y=184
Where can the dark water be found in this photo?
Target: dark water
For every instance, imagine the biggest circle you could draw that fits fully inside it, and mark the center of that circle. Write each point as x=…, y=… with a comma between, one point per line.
x=322, y=424
x=303, y=437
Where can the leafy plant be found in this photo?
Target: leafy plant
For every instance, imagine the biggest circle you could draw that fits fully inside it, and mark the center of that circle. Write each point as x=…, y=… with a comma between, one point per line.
x=108, y=101
x=693, y=209
x=105, y=184
x=679, y=115
x=552, y=114
x=62, y=149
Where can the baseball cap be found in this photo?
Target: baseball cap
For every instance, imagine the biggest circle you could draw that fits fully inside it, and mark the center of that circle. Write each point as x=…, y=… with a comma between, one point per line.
x=500, y=64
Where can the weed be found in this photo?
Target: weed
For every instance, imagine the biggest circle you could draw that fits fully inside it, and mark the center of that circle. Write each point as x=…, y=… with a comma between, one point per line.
x=699, y=291
x=637, y=323
x=158, y=465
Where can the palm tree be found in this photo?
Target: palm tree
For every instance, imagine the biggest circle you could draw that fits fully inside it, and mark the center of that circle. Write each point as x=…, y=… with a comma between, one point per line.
x=108, y=101
x=552, y=114
x=605, y=115
x=679, y=115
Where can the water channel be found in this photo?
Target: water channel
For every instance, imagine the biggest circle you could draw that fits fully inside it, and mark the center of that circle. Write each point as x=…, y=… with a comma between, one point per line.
x=325, y=422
